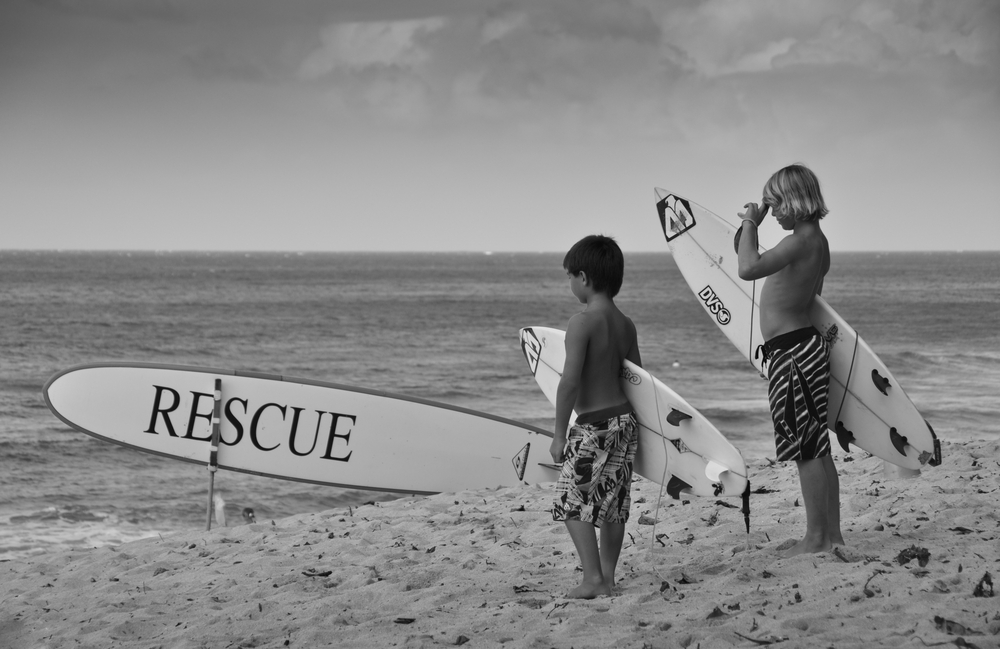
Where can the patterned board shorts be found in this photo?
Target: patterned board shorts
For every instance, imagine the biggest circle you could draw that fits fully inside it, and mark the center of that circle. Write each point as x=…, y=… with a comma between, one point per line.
x=596, y=479
x=798, y=389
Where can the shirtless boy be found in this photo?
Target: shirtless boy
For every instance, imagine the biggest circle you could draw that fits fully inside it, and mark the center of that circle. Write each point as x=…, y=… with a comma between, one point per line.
x=596, y=478
x=798, y=356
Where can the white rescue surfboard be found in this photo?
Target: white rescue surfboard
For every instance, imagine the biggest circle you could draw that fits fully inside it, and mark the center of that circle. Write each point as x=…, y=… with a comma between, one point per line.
x=297, y=429
x=675, y=440
x=867, y=407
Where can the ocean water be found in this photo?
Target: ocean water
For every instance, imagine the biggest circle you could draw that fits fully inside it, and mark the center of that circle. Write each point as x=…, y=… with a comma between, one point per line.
x=437, y=326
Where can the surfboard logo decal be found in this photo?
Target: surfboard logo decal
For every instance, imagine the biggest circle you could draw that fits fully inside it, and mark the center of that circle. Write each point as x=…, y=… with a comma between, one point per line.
x=520, y=461
x=680, y=445
x=832, y=335
x=531, y=348
x=676, y=217
x=715, y=305
x=630, y=376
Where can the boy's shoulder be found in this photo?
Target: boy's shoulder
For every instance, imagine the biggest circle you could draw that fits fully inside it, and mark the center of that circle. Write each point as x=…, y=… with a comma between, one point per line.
x=584, y=320
x=599, y=319
x=804, y=244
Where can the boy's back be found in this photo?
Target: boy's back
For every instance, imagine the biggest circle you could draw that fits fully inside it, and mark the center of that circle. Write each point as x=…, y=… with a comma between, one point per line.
x=603, y=337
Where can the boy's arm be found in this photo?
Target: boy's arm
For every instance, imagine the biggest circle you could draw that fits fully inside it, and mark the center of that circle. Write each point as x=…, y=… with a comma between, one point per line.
x=633, y=352
x=754, y=265
x=569, y=384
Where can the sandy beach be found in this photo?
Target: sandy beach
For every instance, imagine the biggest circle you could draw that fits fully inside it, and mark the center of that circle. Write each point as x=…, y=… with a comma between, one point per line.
x=490, y=568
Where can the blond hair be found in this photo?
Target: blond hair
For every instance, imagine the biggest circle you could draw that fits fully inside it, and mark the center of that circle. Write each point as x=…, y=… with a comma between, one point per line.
x=795, y=191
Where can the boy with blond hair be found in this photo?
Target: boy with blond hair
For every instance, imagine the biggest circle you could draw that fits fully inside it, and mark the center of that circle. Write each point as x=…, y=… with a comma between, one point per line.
x=798, y=356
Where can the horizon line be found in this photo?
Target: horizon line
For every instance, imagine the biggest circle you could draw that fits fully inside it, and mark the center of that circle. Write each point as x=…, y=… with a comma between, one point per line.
x=402, y=252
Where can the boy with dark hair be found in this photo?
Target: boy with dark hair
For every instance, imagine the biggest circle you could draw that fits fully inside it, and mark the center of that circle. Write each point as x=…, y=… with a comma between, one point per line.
x=798, y=356
x=598, y=453
x=601, y=258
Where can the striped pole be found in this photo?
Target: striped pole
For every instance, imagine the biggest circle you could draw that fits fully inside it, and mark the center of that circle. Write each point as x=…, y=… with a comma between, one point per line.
x=213, y=458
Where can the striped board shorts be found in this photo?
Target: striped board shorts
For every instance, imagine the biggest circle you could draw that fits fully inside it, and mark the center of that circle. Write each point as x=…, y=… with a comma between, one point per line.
x=596, y=479
x=798, y=389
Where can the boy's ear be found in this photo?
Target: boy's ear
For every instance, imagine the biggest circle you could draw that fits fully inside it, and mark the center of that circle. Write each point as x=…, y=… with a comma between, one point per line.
x=583, y=278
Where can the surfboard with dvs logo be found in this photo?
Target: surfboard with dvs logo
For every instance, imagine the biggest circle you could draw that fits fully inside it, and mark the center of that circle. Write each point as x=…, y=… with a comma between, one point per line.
x=866, y=407
x=297, y=429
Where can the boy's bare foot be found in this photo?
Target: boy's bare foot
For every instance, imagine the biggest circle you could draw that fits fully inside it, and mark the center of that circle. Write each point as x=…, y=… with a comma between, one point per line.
x=805, y=546
x=589, y=591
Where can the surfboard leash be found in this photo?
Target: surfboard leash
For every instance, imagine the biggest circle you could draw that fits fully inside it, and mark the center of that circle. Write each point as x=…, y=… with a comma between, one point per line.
x=659, y=497
x=845, y=436
x=753, y=306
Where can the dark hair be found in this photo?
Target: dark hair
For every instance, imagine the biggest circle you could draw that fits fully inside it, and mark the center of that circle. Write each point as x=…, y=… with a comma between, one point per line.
x=601, y=258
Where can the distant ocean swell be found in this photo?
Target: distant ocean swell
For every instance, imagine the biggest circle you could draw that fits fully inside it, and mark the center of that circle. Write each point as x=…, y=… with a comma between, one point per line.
x=438, y=327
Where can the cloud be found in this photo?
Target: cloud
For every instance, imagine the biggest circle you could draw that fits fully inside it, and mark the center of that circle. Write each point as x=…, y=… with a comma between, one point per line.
x=762, y=60
x=688, y=70
x=838, y=42
x=892, y=36
x=376, y=68
x=561, y=61
x=361, y=46
x=968, y=29
x=703, y=72
x=721, y=37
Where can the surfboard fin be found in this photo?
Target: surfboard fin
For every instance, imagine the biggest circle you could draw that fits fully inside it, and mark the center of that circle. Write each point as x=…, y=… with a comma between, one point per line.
x=713, y=470
x=844, y=436
x=676, y=417
x=520, y=461
x=676, y=486
x=746, y=506
x=898, y=441
x=881, y=383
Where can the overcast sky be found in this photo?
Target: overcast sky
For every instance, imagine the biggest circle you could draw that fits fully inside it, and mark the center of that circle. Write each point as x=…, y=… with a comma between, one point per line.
x=489, y=125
